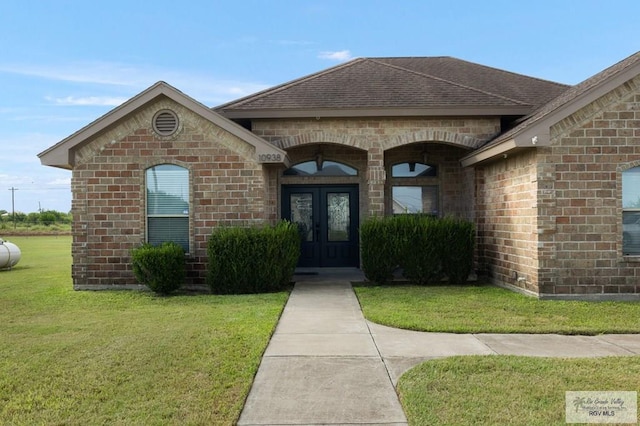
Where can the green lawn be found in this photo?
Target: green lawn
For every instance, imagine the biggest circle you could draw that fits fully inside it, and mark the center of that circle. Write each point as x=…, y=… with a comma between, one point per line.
x=507, y=390
x=118, y=357
x=122, y=357
x=489, y=309
x=500, y=390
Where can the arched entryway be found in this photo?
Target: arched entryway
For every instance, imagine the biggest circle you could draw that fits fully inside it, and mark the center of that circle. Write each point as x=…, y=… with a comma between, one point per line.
x=321, y=193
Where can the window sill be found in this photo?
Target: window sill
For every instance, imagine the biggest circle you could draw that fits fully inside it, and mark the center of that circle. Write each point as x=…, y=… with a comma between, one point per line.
x=631, y=258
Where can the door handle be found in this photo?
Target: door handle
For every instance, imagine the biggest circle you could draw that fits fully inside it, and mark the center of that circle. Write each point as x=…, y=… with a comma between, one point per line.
x=317, y=231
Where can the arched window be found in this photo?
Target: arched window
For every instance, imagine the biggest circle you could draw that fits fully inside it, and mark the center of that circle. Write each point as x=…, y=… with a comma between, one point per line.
x=631, y=211
x=414, y=189
x=168, y=205
x=321, y=168
x=414, y=170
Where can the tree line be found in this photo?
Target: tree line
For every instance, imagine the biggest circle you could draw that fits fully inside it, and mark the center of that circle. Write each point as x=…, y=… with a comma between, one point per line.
x=44, y=217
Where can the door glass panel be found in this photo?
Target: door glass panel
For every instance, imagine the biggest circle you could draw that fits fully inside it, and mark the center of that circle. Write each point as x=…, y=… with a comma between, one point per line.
x=338, y=216
x=302, y=214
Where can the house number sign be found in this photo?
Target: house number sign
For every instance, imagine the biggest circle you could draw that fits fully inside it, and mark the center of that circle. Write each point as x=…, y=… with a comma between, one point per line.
x=265, y=158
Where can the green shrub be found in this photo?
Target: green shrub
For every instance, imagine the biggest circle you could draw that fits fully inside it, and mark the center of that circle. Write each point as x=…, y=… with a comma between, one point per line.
x=426, y=248
x=161, y=268
x=420, y=250
x=457, y=251
x=252, y=260
x=378, y=249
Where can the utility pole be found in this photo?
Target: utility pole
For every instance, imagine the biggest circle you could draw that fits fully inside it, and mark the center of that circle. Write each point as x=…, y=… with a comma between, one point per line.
x=13, y=205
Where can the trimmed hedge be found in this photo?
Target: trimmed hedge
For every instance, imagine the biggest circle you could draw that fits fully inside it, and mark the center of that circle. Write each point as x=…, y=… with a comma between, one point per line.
x=378, y=244
x=457, y=252
x=420, y=249
x=426, y=248
x=252, y=260
x=161, y=268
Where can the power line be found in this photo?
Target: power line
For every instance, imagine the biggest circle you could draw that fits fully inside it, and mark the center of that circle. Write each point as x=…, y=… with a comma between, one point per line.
x=13, y=205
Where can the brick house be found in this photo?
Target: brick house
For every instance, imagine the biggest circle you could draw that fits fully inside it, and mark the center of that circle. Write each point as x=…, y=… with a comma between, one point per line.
x=549, y=173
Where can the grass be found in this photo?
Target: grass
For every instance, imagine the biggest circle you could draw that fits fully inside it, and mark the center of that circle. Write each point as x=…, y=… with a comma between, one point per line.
x=501, y=390
x=489, y=309
x=122, y=357
x=133, y=358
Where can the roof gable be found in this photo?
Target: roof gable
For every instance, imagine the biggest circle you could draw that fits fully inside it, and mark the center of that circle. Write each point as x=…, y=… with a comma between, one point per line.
x=60, y=155
x=399, y=86
x=534, y=130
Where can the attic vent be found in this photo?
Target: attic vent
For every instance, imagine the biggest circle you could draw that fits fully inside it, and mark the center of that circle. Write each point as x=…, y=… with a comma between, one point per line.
x=165, y=122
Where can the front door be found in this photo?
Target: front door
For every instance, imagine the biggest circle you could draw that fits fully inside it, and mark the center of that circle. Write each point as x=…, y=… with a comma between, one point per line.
x=328, y=219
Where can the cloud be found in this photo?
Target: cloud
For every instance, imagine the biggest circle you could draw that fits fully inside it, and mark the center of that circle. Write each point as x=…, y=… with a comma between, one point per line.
x=87, y=100
x=340, y=55
x=104, y=73
x=13, y=180
x=213, y=91
x=18, y=150
x=10, y=110
x=128, y=80
x=36, y=187
x=42, y=118
x=60, y=181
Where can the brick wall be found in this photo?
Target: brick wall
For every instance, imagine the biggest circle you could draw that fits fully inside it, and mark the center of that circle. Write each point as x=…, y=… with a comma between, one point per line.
x=553, y=216
x=227, y=187
x=590, y=150
x=373, y=145
x=507, y=221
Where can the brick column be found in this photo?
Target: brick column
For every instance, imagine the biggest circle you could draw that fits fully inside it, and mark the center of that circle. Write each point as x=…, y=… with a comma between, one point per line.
x=376, y=177
x=79, y=225
x=547, y=215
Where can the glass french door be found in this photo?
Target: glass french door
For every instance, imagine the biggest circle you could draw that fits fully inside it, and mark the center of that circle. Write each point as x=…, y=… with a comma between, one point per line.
x=327, y=217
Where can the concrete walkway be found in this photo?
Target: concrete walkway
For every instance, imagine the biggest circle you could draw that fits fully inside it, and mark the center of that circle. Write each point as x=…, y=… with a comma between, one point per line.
x=327, y=365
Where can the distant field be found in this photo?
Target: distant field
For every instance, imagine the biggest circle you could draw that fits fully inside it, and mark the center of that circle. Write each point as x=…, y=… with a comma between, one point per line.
x=7, y=229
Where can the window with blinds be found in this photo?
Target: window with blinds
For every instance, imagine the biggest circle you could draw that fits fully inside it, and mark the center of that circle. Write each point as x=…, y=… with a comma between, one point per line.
x=631, y=211
x=168, y=205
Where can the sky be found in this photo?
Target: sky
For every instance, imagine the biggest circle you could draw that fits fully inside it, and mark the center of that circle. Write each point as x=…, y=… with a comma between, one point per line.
x=65, y=63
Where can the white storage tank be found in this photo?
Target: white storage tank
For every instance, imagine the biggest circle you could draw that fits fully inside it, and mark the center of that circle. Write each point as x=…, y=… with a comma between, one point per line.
x=9, y=254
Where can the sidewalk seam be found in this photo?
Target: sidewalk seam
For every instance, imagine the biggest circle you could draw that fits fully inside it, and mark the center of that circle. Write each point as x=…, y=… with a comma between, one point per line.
x=485, y=344
x=375, y=343
x=603, y=338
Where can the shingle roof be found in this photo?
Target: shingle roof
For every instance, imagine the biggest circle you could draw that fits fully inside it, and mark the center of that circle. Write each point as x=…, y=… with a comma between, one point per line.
x=569, y=96
x=535, y=129
x=396, y=83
